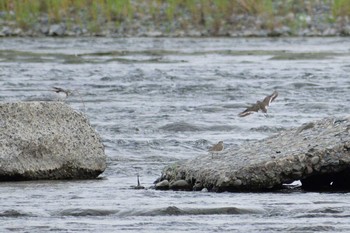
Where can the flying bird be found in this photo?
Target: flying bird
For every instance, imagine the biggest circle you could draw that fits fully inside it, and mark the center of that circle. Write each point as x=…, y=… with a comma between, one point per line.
x=260, y=105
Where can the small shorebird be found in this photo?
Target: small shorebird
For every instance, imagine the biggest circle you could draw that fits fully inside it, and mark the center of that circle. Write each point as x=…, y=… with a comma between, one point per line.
x=59, y=90
x=260, y=105
x=216, y=148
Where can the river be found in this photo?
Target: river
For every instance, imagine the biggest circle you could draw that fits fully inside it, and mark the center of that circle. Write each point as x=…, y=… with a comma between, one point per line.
x=155, y=101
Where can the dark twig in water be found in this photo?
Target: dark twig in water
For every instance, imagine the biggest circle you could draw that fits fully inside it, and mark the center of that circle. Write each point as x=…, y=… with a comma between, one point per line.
x=138, y=186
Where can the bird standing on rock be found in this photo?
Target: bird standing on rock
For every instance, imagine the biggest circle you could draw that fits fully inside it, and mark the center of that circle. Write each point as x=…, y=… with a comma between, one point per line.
x=260, y=105
x=216, y=148
x=61, y=90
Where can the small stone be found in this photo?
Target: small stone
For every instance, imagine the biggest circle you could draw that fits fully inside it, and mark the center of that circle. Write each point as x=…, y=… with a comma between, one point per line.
x=6, y=31
x=44, y=29
x=137, y=187
x=237, y=182
x=162, y=185
x=309, y=170
x=57, y=30
x=329, y=32
x=153, y=34
x=204, y=190
x=315, y=160
x=297, y=167
x=197, y=186
x=17, y=32
x=180, y=185
x=269, y=165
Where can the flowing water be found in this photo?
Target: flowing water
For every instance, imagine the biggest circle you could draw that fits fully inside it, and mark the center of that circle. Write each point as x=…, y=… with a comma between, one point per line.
x=157, y=101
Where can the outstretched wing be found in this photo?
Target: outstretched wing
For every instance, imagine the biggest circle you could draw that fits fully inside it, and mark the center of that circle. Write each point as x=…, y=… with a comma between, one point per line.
x=250, y=110
x=268, y=99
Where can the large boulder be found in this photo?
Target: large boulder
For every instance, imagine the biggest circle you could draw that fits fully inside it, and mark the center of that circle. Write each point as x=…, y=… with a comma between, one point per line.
x=317, y=153
x=47, y=140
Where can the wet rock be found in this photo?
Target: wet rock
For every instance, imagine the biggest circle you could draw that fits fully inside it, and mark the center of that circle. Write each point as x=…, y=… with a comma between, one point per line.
x=198, y=186
x=162, y=185
x=137, y=187
x=44, y=29
x=180, y=185
x=153, y=34
x=317, y=153
x=237, y=182
x=5, y=31
x=47, y=140
x=57, y=30
x=329, y=32
x=315, y=160
x=16, y=32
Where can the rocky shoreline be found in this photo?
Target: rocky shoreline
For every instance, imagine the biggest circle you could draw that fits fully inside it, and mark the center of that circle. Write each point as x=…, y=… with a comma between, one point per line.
x=318, y=21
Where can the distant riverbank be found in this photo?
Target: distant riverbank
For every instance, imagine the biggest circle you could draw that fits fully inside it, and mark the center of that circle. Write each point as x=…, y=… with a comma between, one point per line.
x=176, y=18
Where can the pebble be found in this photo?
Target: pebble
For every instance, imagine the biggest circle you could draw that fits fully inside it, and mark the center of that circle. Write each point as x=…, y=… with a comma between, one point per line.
x=180, y=185
x=315, y=160
x=237, y=182
x=162, y=185
x=57, y=30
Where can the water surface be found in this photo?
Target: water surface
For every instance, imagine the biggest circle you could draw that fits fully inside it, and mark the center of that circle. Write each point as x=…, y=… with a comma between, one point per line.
x=157, y=101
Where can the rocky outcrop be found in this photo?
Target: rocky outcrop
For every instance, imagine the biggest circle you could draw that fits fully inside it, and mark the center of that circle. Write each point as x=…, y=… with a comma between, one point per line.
x=47, y=140
x=317, y=153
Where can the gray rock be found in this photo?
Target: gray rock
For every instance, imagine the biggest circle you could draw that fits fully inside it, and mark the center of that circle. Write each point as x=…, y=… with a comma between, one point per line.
x=180, y=185
x=304, y=153
x=153, y=34
x=315, y=160
x=47, y=140
x=162, y=185
x=5, y=31
x=57, y=30
x=17, y=32
x=44, y=29
x=329, y=32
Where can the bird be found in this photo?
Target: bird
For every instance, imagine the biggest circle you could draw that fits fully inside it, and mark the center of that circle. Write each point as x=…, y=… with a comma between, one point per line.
x=260, y=105
x=61, y=90
x=216, y=148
